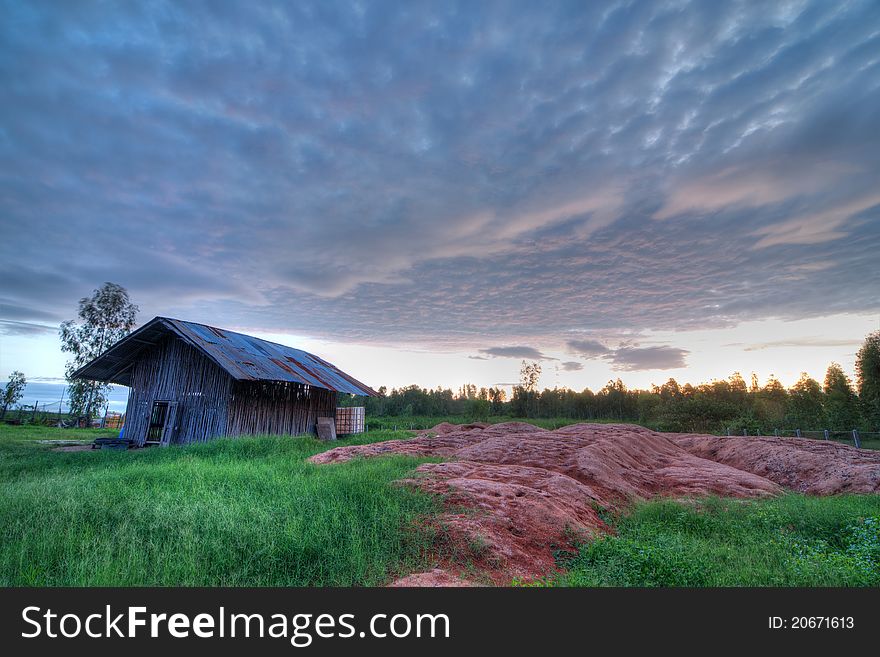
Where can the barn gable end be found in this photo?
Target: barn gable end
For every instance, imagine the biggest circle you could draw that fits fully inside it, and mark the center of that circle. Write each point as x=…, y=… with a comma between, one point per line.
x=173, y=371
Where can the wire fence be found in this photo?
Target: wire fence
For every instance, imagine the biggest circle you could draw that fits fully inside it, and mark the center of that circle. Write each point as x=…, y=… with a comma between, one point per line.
x=853, y=435
x=58, y=413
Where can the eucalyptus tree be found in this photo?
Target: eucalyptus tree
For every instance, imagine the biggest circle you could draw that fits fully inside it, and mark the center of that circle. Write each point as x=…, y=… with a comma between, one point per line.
x=104, y=318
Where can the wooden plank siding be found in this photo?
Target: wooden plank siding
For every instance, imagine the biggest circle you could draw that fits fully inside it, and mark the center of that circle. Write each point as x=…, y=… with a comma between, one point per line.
x=174, y=371
x=210, y=403
x=277, y=407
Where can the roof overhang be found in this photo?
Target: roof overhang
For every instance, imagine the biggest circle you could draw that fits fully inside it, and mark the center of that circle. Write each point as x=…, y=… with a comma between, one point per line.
x=243, y=357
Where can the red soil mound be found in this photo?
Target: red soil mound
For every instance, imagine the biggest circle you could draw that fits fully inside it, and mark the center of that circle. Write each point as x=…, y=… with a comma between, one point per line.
x=433, y=578
x=448, y=427
x=810, y=466
x=514, y=492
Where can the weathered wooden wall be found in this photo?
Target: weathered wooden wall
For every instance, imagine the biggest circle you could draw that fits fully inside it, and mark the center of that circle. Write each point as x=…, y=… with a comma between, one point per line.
x=260, y=407
x=174, y=371
x=210, y=403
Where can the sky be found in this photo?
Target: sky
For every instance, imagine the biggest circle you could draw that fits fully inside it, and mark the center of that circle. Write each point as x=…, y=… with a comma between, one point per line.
x=433, y=192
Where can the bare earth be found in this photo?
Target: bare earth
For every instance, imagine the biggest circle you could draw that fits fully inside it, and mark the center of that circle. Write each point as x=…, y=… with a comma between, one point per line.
x=515, y=493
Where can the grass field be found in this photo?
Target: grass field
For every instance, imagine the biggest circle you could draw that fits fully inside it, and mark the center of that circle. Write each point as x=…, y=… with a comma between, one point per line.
x=230, y=512
x=253, y=512
x=792, y=540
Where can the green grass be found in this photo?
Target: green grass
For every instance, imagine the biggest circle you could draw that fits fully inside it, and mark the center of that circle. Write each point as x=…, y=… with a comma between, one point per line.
x=792, y=540
x=252, y=512
x=231, y=512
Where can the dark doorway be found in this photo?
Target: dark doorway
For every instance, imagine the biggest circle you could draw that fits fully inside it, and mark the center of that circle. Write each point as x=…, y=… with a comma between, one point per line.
x=161, y=423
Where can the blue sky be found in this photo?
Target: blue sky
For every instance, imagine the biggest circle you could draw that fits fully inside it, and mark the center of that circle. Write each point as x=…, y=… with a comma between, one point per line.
x=431, y=192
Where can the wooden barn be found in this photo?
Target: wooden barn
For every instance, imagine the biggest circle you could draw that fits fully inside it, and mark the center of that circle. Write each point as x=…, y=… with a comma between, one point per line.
x=191, y=383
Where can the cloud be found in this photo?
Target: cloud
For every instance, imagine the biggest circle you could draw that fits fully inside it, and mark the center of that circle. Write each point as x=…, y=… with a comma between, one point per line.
x=527, y=353
x=630, y=359
x=571, y=366
x=816, y=227
x=801, y=343
x=14, y=311
x=629, y=356
x=11, y=327
x=583, y=169
x=587, y=348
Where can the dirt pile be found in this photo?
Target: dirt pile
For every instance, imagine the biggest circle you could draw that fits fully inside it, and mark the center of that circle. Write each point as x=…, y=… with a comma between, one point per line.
x=816, y=467
x=515, y=493
x=433, y=578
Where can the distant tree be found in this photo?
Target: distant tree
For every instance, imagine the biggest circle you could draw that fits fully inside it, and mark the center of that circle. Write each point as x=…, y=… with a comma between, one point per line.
x=497, y=396
x=669, y=390
x=738, y=389
x=868, y=378
x=771, y=403
x=12, y=391
x=841, y=403
x=755, y=386
x=614, y=397
x=529, y=375
x=104, y=318
x=478, y=409
x=805, y=403
x=467, y=391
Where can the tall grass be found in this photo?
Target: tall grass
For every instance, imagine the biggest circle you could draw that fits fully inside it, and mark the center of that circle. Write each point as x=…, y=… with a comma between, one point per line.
x=792, y=540
x=249, y=511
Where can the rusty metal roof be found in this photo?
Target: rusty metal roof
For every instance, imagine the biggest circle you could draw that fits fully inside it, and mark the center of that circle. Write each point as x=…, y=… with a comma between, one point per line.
x=244, y=357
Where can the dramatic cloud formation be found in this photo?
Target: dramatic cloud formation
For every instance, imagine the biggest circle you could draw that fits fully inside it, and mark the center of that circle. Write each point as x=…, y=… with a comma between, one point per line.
x=443, y=174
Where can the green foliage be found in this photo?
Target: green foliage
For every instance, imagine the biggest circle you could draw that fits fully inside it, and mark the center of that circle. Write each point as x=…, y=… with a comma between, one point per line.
x=841, y=403
x=868, y=378
x=793, y=540
x=478, y=409
x=104, y=318
x=805, y=404
x=12, y=391
x=244, y=512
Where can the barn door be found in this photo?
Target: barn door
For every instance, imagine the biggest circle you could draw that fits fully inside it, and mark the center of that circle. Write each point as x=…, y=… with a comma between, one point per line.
x=170, y=424
x=162, y=423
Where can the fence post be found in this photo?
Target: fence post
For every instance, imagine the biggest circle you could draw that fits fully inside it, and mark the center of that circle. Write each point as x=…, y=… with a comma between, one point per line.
x=826, y=433
x=797, y=432
x=856, y=441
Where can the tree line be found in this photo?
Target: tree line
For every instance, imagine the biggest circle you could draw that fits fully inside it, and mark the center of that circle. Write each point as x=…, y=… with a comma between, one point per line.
x=836, y=403
x=733, y=403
